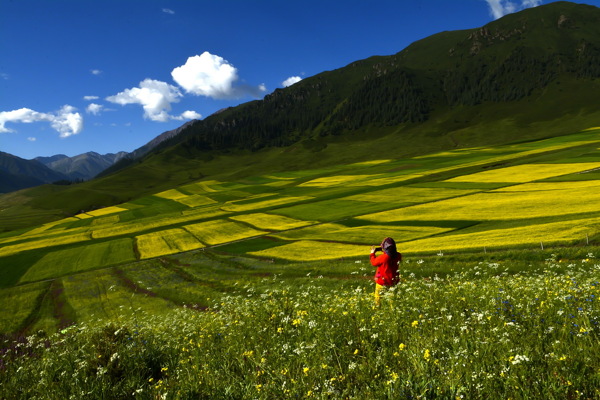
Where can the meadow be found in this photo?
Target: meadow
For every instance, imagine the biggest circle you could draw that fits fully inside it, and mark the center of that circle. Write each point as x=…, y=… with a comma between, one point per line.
x=260, y=287
x=454, y=328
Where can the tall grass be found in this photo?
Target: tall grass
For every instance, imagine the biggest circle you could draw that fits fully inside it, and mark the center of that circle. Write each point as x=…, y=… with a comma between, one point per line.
x=474, y=331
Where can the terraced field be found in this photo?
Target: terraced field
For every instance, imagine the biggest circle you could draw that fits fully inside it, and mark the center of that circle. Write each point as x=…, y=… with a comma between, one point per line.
x=91, y=265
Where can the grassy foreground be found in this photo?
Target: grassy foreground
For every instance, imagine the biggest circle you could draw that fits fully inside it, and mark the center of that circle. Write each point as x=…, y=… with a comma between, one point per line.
x=454, y=328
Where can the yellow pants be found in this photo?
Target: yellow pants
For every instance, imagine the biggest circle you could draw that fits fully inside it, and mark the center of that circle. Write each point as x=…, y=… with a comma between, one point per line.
x=379, y=290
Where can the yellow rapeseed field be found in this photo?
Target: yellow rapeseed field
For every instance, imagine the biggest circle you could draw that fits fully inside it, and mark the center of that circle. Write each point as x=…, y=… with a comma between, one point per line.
x=84, y=216
x=526, y=172
x=171, y=194
x=552, y=186
x=307, y=250
x=221, y=231
x=271, y=222
x=47, y=226
x=109, y=220
x=196, y=200
x=41, y=231
x=152, y=223
x=367, y=235
x=369, y=163
x=406, y=194
x=534, y=235
x=336, y=180
x=50, y=241
x=165, y=242
x=105, y=211
x=242, y=205
x=499, y=205
x=386, y=180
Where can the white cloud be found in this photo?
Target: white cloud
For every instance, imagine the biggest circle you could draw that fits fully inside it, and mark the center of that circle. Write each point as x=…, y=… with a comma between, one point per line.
x=212, y=76
x=187, y=115
x=31, y=139
x=291, y=80
x=90, y=98
x=154, y=96
x=499, y=8
x=66, y=121
x=94, y=109
x=95, y=71
x=168, y=11
x=191, y=115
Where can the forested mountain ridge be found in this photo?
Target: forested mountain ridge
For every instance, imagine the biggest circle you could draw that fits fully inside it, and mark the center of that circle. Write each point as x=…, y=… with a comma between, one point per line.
x=508, y=60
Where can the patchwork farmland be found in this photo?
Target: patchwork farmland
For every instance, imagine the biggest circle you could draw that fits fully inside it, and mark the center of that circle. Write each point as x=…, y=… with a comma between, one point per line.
x=277, y=261
x=521, y=196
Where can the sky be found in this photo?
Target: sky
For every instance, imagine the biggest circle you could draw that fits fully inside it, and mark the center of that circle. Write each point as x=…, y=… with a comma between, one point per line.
x=110, y=75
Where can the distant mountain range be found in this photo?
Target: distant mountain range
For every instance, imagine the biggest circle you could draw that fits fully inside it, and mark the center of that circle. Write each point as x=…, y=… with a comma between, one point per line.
x=17, y=173
x=82, y=167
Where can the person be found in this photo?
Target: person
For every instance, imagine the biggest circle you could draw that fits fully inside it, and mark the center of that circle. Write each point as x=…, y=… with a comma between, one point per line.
x=387, y=274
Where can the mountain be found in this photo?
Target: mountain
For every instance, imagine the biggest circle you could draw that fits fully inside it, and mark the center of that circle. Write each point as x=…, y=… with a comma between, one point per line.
x=81, y=167
x=17, y=173
x=129, y=158
x=88, y=165
x=526, y=76
x=536, y=65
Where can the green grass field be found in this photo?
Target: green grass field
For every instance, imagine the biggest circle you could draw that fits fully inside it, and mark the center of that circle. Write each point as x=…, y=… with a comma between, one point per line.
x=270, y=274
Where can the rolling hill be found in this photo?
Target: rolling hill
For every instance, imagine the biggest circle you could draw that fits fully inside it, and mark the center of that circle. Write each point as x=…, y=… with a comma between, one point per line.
x=529, y=75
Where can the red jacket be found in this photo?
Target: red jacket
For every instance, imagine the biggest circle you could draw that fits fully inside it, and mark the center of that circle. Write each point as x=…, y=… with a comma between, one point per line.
x=387, y=269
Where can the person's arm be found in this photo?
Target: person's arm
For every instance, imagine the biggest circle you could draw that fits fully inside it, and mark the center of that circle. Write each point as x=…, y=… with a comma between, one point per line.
x=375, y=260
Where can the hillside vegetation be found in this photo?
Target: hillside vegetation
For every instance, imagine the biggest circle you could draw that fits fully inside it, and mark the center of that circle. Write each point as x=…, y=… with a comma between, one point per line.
x=260, y=287
x=526, y=76
x=523, y=196
x=232, y=261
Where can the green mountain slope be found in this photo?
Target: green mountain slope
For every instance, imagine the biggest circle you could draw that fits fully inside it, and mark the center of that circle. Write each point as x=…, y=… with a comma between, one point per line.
x=526, y=76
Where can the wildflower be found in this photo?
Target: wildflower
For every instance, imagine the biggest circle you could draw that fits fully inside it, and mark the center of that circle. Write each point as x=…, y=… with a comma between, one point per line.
x=356, y=352
x=402, y=346
x=426, y=355
x=305, y=370
x=414, y=324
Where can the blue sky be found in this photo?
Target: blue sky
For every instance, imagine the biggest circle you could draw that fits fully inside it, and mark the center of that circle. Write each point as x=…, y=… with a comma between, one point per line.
x=110, y=75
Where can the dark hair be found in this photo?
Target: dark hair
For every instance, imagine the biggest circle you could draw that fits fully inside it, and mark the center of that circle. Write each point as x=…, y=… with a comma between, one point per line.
x=389, y=246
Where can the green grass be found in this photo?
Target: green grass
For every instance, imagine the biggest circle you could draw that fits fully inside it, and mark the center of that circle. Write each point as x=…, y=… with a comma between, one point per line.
x=22, y=301
x=297, y=258
x=73, y=260
x=106, y=296
x=476, y=329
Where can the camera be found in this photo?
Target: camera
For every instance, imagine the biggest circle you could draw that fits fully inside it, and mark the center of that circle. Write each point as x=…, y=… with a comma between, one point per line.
x=377, y=248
